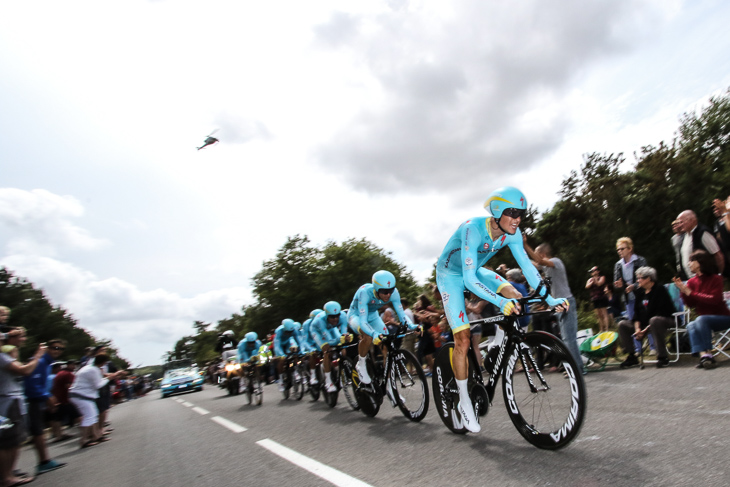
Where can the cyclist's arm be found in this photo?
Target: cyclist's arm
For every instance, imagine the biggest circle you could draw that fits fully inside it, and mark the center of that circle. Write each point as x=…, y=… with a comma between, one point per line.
x=398, y=307
x=278, y=351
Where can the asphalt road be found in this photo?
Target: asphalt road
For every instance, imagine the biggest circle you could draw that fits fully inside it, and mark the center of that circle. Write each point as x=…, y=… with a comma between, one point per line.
x=651, y=427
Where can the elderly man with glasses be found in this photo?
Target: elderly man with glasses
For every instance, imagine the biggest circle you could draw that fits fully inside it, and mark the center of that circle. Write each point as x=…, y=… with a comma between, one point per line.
x=652, y=314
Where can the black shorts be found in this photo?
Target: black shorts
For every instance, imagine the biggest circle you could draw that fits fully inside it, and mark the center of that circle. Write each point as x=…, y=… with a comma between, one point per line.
x=15, y=435
x=426, y=345
x=37, y=416
x=600, y=303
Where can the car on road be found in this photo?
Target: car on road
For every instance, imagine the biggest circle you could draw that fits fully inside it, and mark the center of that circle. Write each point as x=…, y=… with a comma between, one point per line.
x=184, y=379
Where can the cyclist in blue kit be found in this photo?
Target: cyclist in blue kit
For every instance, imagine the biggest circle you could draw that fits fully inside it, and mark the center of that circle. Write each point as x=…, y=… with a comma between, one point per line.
x=459, y=268
x=329, y=329
x=286, y=338
x=364, y=319
x=309, y=346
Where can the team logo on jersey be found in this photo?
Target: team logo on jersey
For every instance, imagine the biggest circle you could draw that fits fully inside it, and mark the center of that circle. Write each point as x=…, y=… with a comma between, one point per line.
x=468, y=261
x=461, y=316
x=486, y=246
x=503, y=237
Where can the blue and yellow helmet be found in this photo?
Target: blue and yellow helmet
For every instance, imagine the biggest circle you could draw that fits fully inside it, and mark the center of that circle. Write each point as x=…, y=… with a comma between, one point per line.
x=288, y=324
x=332, y=308
x=383, y=280
x=503, y=198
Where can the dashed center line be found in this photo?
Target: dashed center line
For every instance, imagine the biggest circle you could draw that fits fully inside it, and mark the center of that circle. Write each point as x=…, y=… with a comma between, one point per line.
x=319, y=469
x=236, y=428
x=313, y=466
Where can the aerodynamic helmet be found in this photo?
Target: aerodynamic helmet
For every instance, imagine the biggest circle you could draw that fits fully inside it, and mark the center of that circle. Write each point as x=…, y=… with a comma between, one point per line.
x=332, y=308
x=251, y=336
x=288, y=324
x=383, y=280
x=504, y=198
x=314, y=313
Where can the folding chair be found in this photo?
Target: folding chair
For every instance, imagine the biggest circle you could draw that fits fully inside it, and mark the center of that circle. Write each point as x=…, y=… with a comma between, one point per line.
x=721, y=343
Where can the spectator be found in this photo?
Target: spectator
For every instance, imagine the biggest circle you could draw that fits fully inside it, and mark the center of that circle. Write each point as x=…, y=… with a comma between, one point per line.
x=104, y=398
x=614, y=303
x=596, y=285
x=12, y=407
x=409, y=341
x=704, y=293
x=4, y=317
x=83, y=394
x=695, y=236
x=427, y=315
x=721, y=210
x=65, y=413
x=653, y=313
x=39, y=401
x=554, y=270
x=624, y=273
x=88, y=355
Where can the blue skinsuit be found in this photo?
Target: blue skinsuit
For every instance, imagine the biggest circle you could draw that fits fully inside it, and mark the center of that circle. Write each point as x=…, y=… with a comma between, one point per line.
x=460, y=267
x=283, y=340
x=305, y=338
x=363, y=314
x=322, y=332
x=246, y=350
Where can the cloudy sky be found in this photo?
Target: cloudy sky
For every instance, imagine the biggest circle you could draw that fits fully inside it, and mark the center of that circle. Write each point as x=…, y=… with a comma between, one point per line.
x=390, y=120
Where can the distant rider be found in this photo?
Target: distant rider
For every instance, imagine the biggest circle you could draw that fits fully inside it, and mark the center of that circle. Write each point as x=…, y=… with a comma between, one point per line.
x=365, y=321
x=286, y=338
x=310, y=346
x=329, y=329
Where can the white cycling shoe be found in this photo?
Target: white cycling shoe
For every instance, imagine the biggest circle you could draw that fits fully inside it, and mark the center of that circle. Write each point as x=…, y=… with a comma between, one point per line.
x=331, y=387
x=468, y=418
x=313, y=380
x=362, y=372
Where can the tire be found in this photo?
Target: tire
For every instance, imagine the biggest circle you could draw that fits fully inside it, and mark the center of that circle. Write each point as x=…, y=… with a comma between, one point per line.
x=347, y=367
x=258, y=391
x=368, y=401
x=409, y=385
x=297, y=385
x=286, y=378
x=304, y=373
x=314, y=391
x=330, y=397
x=249, y=390
x=445, y=391
x=551, y=417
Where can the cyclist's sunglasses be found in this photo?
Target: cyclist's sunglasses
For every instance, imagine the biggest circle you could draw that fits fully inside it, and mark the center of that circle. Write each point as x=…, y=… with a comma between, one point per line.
x=514, y=213
x=386, y=291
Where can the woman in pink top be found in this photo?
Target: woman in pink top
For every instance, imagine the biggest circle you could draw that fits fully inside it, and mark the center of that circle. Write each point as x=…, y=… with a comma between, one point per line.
x=703, y=292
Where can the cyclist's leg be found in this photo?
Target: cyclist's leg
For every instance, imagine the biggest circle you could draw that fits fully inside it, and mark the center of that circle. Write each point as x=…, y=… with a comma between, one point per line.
x=452, y=294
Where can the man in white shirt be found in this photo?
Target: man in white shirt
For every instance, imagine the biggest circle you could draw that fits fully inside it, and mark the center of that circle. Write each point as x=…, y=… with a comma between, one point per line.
x=695, y=237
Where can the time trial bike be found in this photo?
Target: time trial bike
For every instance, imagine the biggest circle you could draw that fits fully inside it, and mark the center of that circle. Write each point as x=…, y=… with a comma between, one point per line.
x=547, y=409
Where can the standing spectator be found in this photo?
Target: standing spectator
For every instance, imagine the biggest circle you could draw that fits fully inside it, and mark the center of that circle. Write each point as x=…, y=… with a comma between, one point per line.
x=695, y=236
x=409, y=341
x=624, y=273
x=653, y=313
x=427, y=315
x=614, y=303
x=39, y=401
x=554, y=270
x=596, y=285
x=12, y=406
x=721, y=210
x=65, y=411
x=704, y=293
x=83, y=394
x=4, y=317
x=104, y=398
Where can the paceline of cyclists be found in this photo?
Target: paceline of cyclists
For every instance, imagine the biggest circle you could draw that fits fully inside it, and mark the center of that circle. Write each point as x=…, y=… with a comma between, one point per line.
x=318, y=341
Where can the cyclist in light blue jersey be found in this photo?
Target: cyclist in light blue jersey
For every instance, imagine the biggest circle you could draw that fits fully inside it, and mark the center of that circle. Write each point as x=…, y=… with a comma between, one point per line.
x=329, y=329
x=459, y=268
x=309, y=345
x=286, y=338
x=364, y=320
x=248, y=347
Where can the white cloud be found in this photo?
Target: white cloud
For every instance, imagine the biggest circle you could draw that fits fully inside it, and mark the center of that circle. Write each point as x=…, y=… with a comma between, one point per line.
x=40, y=222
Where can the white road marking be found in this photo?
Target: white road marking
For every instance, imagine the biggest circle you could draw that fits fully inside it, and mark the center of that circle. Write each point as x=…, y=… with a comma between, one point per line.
x=187, y=404
x=313, y=466
x=179, y=400
x=200, y=410
x=236, y=428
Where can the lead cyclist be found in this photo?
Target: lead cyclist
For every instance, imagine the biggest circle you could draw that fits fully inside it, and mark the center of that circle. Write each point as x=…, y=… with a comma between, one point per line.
x=460, y=268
